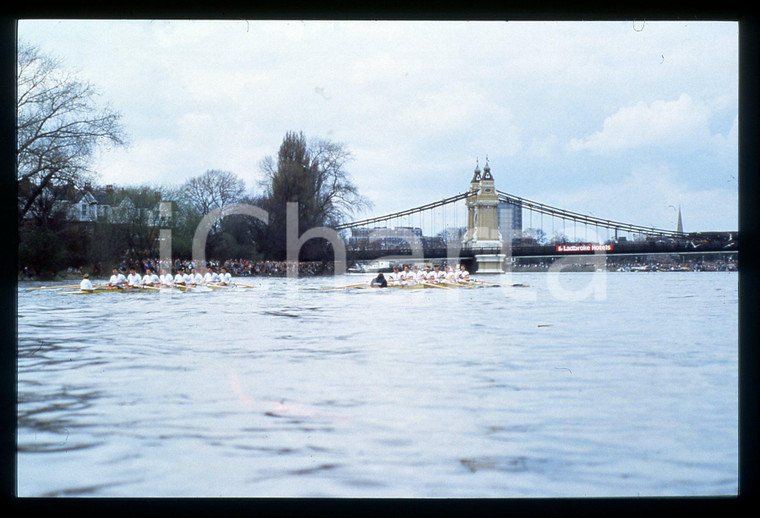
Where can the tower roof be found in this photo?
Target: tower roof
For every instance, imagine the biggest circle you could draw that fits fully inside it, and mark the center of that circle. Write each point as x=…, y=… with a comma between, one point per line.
x=487, y=171
x=476, y=173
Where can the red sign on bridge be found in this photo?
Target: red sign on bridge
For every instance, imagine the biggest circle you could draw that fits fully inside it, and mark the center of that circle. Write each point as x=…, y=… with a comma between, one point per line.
x=583, y=248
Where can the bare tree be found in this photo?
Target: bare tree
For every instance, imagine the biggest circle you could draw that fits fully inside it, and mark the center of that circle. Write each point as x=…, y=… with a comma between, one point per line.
x=59, y=126
x=337, y=196
x=212, y=190
x=200, y=195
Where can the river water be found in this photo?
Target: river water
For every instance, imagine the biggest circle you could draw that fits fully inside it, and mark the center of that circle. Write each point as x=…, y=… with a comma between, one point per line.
x=582, y=384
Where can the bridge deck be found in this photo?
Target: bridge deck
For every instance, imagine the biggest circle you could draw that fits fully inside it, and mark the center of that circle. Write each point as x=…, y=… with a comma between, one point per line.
x=542, y=250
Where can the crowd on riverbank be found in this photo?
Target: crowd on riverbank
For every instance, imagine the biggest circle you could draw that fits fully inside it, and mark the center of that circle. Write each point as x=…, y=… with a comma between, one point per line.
x=653, y=266
x=251, y=268
x=236, y=267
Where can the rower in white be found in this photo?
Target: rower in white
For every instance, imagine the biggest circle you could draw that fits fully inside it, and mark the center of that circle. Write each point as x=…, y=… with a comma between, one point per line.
x=117, y=279
x=407, y=277
x=196, y=278
x=189, y=278
x=395, y=276
x=224, y=277
x=417, y=275
x=86, y=284
x=211, y=276
x=150, y=278
x=180, y=277
x=134, y=279
x=166, y=278
x=464, y=275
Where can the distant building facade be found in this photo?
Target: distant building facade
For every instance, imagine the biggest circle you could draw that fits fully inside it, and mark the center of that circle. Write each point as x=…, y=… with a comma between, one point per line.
x=510, y=220
x=89, y=205
x=384, y=238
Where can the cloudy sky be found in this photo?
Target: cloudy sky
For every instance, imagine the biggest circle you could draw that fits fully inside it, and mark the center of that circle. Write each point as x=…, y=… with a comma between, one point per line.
x=622, y=120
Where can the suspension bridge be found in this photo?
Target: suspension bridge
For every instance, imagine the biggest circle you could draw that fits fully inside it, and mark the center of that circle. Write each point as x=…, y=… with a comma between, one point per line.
x=486, y=228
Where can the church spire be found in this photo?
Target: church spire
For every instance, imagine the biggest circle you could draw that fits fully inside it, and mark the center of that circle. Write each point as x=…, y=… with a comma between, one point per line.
x=679, y=227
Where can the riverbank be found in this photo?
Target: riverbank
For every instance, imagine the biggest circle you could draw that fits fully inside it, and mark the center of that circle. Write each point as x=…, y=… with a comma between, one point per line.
x=631, y=267
x=318, y=269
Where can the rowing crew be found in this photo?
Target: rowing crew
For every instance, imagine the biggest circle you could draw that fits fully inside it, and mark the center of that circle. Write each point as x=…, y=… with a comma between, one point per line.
x=427, y=275
x=166, y=279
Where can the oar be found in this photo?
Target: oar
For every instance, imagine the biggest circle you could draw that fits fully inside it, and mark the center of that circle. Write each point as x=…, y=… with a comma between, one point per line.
x=458, y=284
x=227, y=286
x=515, y=285
x=491, y=283
x=343, y=287
x=434, y=285
x=53, y=287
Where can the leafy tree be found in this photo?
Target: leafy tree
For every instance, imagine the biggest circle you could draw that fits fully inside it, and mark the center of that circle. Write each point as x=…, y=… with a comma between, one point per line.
x=42, y=251
x=136, y=215
x=49, y=209
x=59, y=126
x=313, y=175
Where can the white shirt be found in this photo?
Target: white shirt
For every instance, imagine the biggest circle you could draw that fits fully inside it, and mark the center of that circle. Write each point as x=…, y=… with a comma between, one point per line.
x=197, y=278
x=225, y=277
x=167, y=278
x=406, y=274
x=189, y=279
x=211, y=277
x=464, y=274
x=150, y=278
x=431, y=276
x=179, y=278
x=85, y=285
x=394, y=276
x=117, y=279
x=134, y=279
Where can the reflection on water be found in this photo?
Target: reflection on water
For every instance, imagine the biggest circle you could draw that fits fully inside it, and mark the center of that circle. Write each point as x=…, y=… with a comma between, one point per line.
x=291, y=390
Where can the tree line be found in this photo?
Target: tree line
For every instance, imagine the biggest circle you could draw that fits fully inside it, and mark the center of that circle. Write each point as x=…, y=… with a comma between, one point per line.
x=61, y=125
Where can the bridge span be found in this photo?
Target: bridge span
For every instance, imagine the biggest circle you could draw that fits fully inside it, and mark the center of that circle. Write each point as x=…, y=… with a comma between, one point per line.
x=486, y=227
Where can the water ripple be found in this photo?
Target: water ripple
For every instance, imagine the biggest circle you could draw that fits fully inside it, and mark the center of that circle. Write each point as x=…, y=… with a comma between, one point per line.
x=295, y=391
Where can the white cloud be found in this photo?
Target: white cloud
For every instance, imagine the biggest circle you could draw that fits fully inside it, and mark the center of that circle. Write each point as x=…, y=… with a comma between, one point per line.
x=648, y=196
x=727, y=144
x=416, y=102
x=141, y=163
x=661, y=124
x=377, y=67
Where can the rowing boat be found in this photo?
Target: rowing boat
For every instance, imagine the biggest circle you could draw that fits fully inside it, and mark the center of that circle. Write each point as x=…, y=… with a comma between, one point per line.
x=201, y=288
x=417, y=286
x=108, y=290
x=407, y=286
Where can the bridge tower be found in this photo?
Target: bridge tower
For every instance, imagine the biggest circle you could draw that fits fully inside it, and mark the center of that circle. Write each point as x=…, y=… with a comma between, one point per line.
x=483, y=222
x=471, y=204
